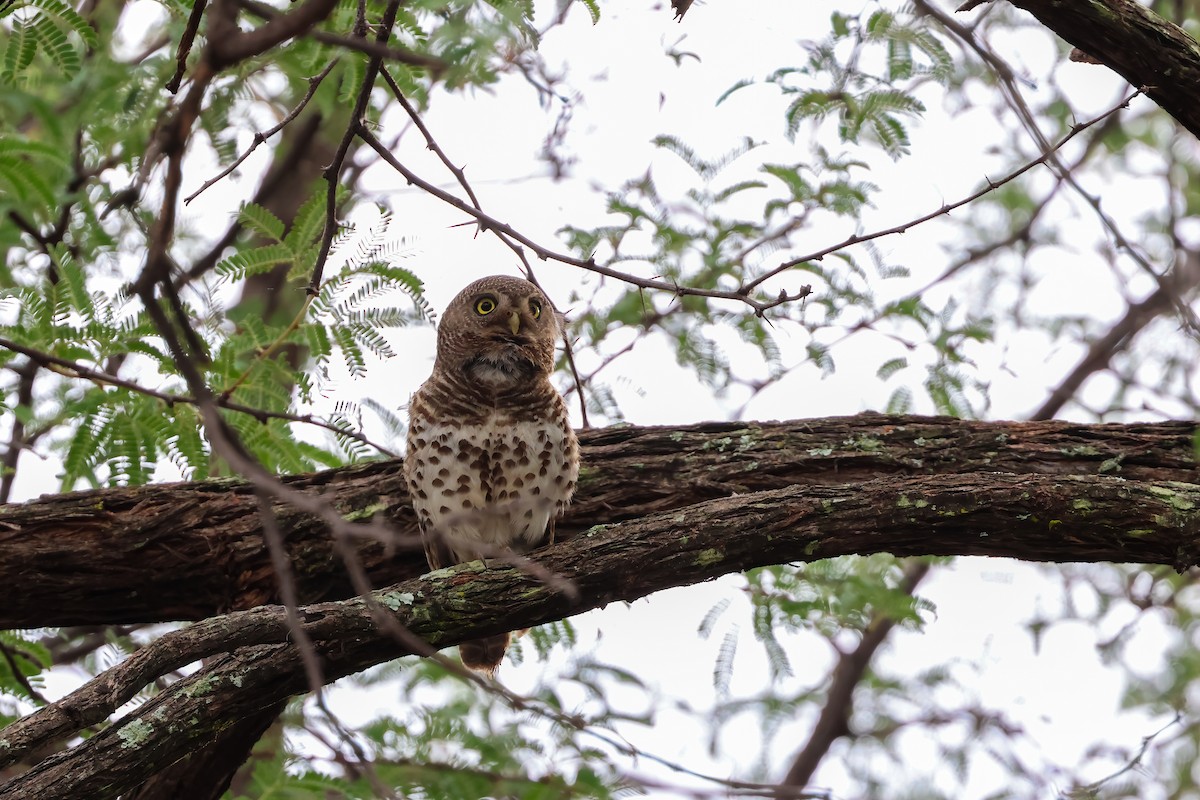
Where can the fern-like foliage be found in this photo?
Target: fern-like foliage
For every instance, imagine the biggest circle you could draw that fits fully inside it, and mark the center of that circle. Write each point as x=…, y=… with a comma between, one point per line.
x=21, y=670
x=734, y=224
x=870, y=107
x=707, y=242
x=47, y=28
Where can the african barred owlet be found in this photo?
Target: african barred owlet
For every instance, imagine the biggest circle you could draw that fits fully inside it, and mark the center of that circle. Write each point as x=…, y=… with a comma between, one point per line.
x=492, y=460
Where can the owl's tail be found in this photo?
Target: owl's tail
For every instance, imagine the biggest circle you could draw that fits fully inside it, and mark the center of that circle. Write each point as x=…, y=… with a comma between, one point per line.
x=484, y=655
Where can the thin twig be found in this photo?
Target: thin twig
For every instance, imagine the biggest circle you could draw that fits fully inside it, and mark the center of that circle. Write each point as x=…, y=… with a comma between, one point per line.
x=185, y=45
x=458, y=172
x=1016, y=101
x=261, y=136
x=989, y=187
x=333, y=171
x=74, y=369
x=489, y=222
x=17, y=440
x=285, y=580
x=402, y=55
x=269, y=350
x=19, y=676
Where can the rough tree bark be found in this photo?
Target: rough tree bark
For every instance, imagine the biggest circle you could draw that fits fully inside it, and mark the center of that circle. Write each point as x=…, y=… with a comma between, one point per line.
x=206, y=565
x=1145, y=49
x=1045, y=513
x=186, y=551
x=774, y=491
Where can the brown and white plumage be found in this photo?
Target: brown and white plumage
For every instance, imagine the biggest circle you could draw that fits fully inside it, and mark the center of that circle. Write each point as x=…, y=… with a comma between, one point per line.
x=492, y=460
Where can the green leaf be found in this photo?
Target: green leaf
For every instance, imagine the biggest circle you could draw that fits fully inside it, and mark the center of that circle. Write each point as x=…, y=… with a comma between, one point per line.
x=593, y=8
x=261, y=221
x=891, y=367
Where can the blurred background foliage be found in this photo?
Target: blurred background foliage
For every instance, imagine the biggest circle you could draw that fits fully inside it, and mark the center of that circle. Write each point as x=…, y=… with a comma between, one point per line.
x=82, y=169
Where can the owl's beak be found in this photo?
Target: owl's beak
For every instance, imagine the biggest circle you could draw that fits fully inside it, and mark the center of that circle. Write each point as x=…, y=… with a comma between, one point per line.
x=514, y=322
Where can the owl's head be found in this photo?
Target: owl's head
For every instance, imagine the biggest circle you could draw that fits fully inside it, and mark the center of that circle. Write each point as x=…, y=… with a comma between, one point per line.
x=500, y=332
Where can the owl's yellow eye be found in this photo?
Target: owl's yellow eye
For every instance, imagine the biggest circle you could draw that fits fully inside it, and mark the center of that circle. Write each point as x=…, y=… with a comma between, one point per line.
x=485, y=305
x=535, y=308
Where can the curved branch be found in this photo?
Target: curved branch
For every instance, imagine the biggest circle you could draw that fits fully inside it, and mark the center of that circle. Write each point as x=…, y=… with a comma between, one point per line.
x=190, y=550
x=1095, y=518
x=232, y=45
x=1049, y=155
x=1145, y=49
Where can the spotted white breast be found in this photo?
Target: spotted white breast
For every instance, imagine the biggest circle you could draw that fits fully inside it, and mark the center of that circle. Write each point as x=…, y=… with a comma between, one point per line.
x=491, y=486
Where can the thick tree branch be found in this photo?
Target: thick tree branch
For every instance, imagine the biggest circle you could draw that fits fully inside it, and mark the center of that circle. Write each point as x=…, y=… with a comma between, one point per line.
x=1043, y=517
x=402, y=55
x=234, y=45
x=186, y=551
x=1145, y=49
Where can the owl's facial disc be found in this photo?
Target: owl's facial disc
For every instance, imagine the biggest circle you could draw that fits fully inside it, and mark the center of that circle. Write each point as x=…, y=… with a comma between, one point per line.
x=497, y=335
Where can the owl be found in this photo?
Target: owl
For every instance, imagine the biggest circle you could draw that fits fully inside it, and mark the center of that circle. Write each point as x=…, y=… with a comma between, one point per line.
x=492, y=460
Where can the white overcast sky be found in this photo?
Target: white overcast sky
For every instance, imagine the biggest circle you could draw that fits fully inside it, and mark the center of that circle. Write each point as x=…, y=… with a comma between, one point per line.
x=631, y=91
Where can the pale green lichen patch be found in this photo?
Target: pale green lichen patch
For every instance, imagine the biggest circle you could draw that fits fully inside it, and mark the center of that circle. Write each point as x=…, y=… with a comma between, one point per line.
x=709, y=557
x=365, y=513
x=397, y=600
x=1173, y=498
x=595, y=530
x=135, y=734
x=202, y=686
x=867, y=444
x=1080, y=450
x=1138, y=532
x=906, y=502
x=1082, y=505
x=676, y=436
x=820, y=452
